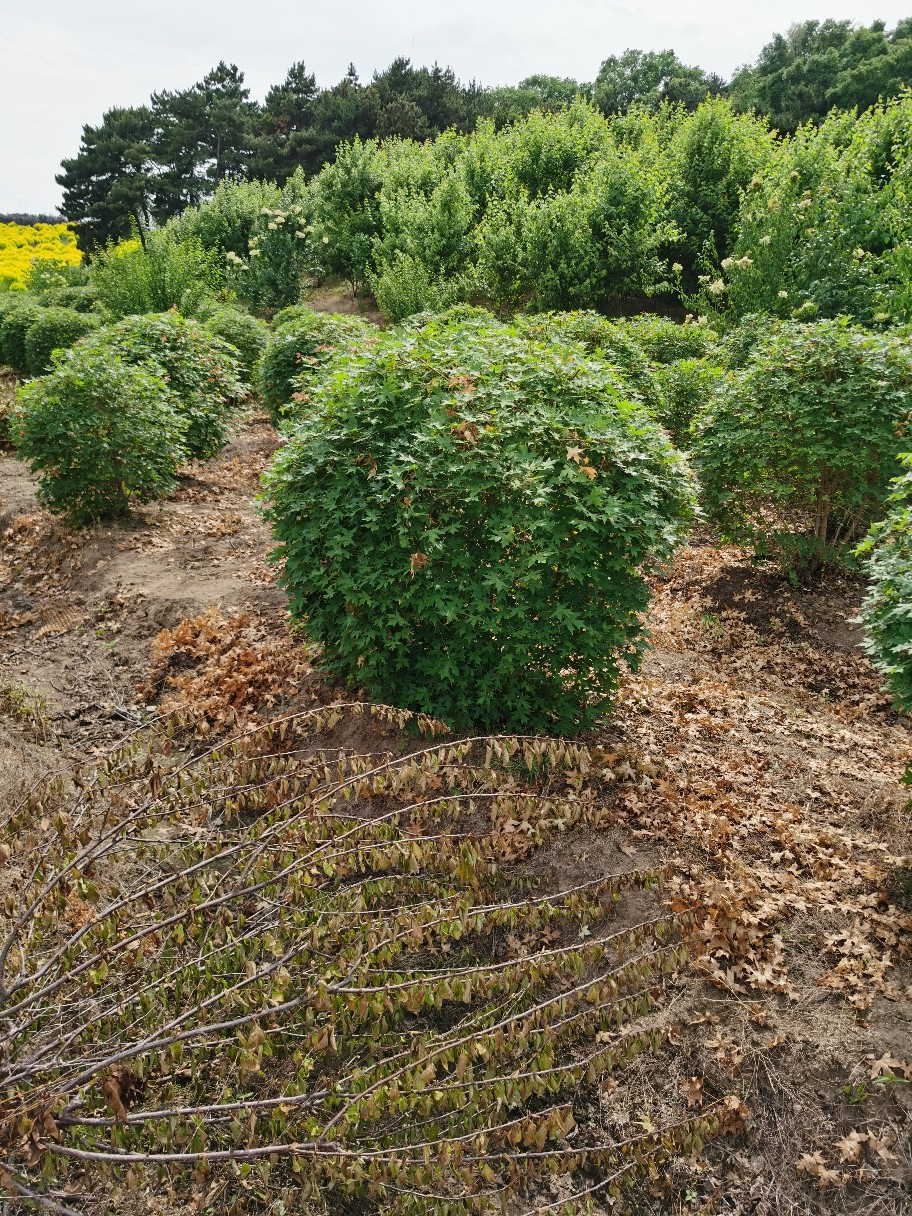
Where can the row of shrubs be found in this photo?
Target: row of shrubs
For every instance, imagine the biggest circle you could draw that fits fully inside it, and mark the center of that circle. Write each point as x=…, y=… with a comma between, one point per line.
x=119, y=412
x=457, y=482
x=33, y=326
x=573, y=210
x=467, y=509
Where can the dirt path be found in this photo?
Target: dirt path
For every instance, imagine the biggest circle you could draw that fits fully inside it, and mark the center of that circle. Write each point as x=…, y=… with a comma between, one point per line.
x=772, y=776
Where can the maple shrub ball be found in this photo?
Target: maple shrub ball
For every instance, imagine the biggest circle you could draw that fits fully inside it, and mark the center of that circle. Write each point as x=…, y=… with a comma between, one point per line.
x=465, y=518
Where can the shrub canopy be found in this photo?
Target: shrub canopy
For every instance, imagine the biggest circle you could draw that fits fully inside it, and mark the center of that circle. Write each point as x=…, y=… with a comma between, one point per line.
x=200, y=369
x=799, y=449
x=166, y=273
x=16, y=317
x=54, y=329
x=246, y=335
x=887, y=610
x=465, y=518
x=300, y=349
x=100, y=433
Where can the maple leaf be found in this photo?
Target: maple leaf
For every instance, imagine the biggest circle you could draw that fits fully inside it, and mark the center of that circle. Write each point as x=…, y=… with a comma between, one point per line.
x=112, y=1091
x=815, y=1167
x=693, y=1088
x=418, y=562
x=850, y=1146
x=574, y=454
x=881, y=1148
x=888, y=1066
x=589, y=471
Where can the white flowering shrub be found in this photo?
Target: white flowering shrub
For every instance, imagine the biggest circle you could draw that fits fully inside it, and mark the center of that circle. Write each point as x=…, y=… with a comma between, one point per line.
x=278, y=256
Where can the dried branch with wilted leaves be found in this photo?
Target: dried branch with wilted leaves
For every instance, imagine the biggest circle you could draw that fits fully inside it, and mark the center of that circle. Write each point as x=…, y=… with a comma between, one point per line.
x=277, y=966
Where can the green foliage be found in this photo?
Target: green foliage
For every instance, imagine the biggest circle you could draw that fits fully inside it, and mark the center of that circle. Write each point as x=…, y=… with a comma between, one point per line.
x=666, y=341
x=108, y=185
x=581, y=226
x=737, y=345
x=279, y=252
x=798, y=452
x=246, y=335
x=687, y=390
x=346, y=216
x=81, y=298
x=465, y=519
x=403, y=287
x=801, y=75
x=647, y=78
x=100, y=433
x=54, y=329
x=426, y=243
x=226, y=222
x=887, y=610
x=712, y=158
x=46, y=275
x=200, y=369
x=166, y=273
x=547, y=214
x=569, y=209
x=260, y=235
x=823, y=226
x=300, y=350
x=144, y=165
x=18, y=312
x=605, y=341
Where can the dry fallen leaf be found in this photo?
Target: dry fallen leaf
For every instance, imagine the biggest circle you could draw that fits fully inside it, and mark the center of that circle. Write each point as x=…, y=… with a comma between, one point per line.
x=850, y=1146
x=693, y=1090
x=888, y=1066
x=815, y=1167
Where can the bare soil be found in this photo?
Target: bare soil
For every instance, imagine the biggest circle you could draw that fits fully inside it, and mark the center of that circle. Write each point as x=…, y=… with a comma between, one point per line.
x=775, y=785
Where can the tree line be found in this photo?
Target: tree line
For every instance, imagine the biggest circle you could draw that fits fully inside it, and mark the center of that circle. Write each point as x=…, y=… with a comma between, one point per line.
x=142, y=165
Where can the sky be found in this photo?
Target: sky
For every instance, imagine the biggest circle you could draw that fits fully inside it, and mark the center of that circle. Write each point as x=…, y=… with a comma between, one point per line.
x=64, y=62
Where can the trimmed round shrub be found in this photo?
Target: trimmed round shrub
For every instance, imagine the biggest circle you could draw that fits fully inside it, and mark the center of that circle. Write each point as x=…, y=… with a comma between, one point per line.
x=737, y=346
x=604, y=340
x=465, y=314
x=299, y=351
x=102, y=434
x=665, y=341
x=245, y=334
x=797, y=453
x=54, y=329
x=81, y=299
x=688, y=387
x=466, y=517
x=15, y=321
x=887, y=610
x=287, y=316
x=200, y=370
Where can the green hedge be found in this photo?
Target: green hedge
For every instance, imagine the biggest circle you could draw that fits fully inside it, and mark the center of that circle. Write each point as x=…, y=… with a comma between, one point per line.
x=200, y=369
x=245, y=334
x=82, y=299
x=887, y=610
x=797, y=453
x=15, y=319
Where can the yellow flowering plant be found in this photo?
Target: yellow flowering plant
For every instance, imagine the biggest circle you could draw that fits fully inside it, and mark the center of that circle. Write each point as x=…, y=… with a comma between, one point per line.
x=24, y=245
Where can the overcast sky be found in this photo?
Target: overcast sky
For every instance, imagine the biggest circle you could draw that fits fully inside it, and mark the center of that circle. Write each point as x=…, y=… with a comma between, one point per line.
x=63, y=62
